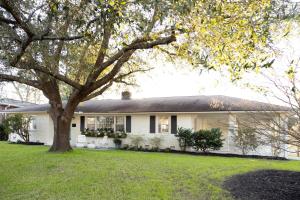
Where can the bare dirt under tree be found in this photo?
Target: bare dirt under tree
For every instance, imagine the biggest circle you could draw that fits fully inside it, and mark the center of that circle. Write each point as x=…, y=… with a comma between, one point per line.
x=265, y=185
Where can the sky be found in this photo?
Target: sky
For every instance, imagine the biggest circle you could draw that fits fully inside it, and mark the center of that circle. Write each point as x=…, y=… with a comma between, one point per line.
x=180, y=79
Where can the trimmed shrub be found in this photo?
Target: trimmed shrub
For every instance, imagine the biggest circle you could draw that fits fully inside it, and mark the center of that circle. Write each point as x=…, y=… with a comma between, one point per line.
x=184, y=136
x=101, y=132
x=125, y=146
x=118, y=142
x=111, y=134
x=205, y=140
x=90, y=133
x=4, y=131
x=19, y=124
x=120, y=135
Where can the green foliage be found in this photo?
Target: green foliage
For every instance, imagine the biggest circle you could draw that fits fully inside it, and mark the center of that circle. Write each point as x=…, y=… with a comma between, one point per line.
x=117, y=142
x=246, y=139
x=120, y=135
x=212, y=33
x=92, y=133
x=229, y=35
x=184, y=136
x=4, y=130
x=19, y=124
x=101, y=132
x=205, y=140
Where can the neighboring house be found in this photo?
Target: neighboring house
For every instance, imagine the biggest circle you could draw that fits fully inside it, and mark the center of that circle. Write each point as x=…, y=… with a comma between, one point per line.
x=6, y=104
x=154, y=117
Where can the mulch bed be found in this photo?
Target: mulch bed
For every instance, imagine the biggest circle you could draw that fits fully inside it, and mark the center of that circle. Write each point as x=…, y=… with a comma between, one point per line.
x=265, y=185
x=27, y=143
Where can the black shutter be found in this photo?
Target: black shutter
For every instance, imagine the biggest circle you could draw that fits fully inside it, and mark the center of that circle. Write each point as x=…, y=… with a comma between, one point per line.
x=82, y=122
x=173, y=124
x=128, y=124
x=152, y=124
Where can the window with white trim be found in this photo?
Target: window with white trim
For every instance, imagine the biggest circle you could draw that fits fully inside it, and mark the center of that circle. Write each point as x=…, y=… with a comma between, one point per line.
x=91, y=123
x=120, y=124
x=163, y=124
x=105, y=122
x=32, y=123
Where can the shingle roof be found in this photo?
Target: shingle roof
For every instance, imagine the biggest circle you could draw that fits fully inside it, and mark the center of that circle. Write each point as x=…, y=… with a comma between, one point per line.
x=166, y=104
x=15, y=103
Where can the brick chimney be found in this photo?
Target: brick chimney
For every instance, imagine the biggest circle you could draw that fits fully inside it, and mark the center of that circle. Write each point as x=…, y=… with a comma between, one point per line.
x=126, y=95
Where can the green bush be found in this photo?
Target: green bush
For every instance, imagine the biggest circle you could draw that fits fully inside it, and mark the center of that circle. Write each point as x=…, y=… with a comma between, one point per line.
x=205, y=140
x=118, y=142
x=125, y=146
x=90, y=133
x=19, y=124
x=4, y=131
x=101, y=132
x=184, y=136
x=120, y=135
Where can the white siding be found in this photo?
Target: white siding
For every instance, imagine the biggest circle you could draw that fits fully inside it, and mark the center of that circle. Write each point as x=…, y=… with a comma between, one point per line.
x=186, y=121
x=140, y=124
x=44, y=129
x=75, y=131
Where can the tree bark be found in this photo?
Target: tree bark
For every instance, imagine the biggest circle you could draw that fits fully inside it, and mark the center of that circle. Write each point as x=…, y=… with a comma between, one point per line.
x=61, y=139
x=61, y=124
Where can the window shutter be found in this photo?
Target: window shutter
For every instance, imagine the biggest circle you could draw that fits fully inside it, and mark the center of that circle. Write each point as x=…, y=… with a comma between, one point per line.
x=173, y=124
x=82, y=123
x=152, y=124
x=128, y=124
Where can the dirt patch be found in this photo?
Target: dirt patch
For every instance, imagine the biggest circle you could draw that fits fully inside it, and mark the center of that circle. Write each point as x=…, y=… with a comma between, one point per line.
x=265, y=185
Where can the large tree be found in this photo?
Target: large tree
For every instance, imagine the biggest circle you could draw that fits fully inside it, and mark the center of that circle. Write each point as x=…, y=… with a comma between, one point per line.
x=75, y=50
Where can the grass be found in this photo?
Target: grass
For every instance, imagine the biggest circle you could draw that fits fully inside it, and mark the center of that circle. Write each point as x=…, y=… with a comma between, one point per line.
x=30, y=172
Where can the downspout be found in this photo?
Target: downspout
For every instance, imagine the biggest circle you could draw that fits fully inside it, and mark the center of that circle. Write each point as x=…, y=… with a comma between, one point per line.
x=5, y=108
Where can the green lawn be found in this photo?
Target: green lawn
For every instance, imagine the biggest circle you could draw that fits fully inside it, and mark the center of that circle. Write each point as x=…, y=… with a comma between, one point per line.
x=29, y=172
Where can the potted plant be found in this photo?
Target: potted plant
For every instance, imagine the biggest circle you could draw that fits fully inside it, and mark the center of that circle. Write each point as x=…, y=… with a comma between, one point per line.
x=117, y=142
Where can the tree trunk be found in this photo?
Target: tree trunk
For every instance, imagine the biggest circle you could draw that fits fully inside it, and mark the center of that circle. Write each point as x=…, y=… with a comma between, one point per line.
x=27, y=137
x=61, y=125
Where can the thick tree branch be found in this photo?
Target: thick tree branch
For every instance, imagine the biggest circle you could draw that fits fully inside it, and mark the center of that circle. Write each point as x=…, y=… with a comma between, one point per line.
x=115, y=70
x=99, y=92
x=101, y=55
x=7, y=21
x=11, y=78
x=52, y=74
x=8, y=6
x=123, y=56
x=21, y=52
x=52, y=38
x=140, y=44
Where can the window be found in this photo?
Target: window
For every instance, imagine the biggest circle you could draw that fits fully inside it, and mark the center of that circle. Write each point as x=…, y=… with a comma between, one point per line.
x=163, y=125
x=105, y=122
x=32, y=124
x=91, y=123
x=120, y=124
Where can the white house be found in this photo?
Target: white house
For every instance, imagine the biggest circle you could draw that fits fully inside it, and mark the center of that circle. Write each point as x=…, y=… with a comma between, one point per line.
x=153, y=117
